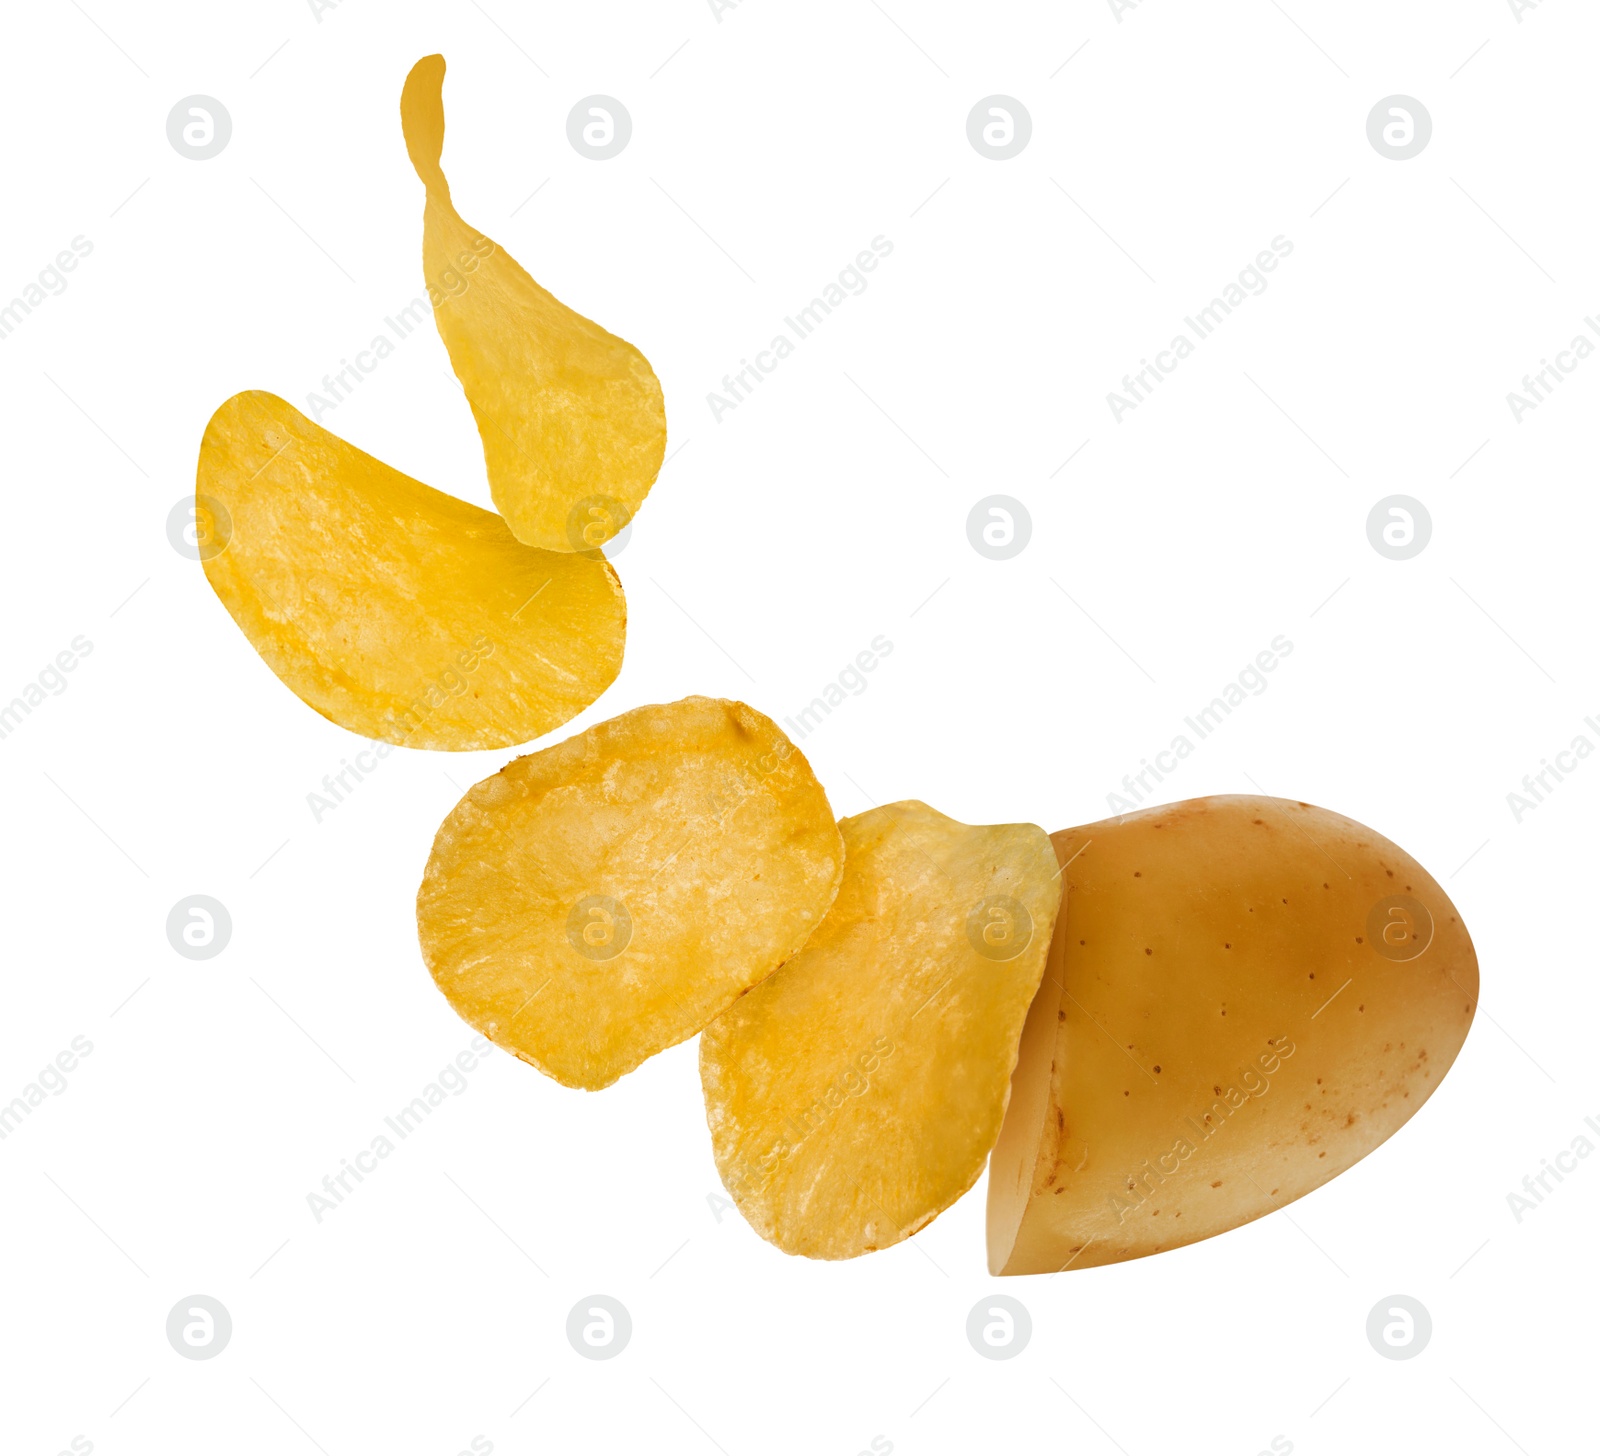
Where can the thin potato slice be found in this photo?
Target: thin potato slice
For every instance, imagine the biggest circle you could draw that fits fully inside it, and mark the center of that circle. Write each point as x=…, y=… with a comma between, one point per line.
x=855, y=1095
x=572, y=419
x=599, y=901
x=394, y=610
x=1245, y=997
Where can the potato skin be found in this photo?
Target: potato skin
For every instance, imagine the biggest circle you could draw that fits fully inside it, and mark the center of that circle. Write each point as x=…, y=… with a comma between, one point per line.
x=1232, y=1014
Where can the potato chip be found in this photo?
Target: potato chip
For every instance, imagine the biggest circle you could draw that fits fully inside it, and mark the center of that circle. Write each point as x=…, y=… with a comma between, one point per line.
x=856, y=1094
x=599, y=901
x=394, y=610
x=1245, y=997
x=572, y=419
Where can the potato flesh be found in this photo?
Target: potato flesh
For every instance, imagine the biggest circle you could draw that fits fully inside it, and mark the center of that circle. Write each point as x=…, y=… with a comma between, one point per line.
x=699, y=819
x=855, y=1095
x=1216, y=1034
x=573, y=424
x=394, y=610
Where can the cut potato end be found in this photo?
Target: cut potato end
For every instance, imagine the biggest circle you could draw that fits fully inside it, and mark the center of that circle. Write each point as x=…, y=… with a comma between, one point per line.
x=394, y=610
x=1244, y=997
x=573, y=424
x=856, y=1094
x=599, y=901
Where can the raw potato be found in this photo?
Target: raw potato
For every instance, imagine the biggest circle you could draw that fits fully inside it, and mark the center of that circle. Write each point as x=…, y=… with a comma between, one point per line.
x=394, y=610
x=572, y=419
x=597, y=902
x=1244, y=997
x=855, y=1095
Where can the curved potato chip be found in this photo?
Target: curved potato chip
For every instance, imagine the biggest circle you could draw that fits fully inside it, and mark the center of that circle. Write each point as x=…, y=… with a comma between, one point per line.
x=599, y=901
x=855, y=1095
x=394, y=610
x=1245, y=997
x=572, y=420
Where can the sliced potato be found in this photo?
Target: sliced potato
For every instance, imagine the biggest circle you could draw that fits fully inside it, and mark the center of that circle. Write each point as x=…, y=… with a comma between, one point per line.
x=396, y=611
x=596, y=902
x=855, y=1095
x=1244, y=997
x=572, y=419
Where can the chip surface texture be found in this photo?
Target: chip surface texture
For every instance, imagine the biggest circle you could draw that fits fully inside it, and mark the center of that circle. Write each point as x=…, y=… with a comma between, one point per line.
x=598, y=901
x=572, y=419
x=393, y=609
x=855, y=1095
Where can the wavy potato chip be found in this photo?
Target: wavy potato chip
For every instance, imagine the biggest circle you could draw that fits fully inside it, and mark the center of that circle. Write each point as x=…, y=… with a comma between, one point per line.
x=394, y=610
x=1245, y=997
x=572, y=419
x=599, y=901
x=855, y=1095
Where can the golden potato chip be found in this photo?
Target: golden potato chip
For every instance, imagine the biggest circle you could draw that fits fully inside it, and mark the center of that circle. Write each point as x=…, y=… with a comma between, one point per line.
x=599, y=901
x=394, y=610
x=1245, y=996
x=855, y=1095
x=571, y=416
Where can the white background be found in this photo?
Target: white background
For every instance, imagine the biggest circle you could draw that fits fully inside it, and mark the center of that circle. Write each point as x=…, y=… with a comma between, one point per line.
x=770, y=145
